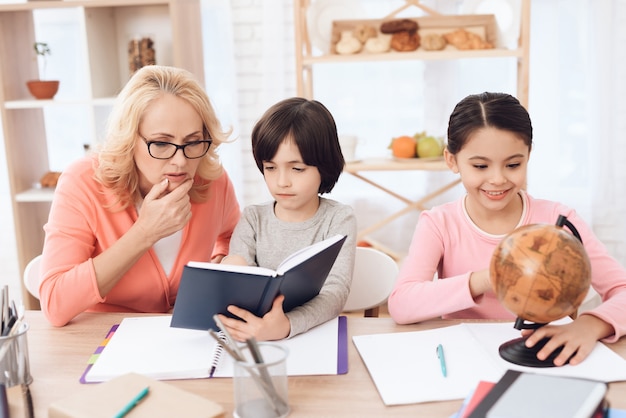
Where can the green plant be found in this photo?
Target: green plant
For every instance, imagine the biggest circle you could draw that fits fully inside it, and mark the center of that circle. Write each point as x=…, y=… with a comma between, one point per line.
x=42, y=50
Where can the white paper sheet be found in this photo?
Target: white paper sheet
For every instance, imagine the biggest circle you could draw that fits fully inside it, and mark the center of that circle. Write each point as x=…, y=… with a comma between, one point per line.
x=405, y=368
x=149, y=346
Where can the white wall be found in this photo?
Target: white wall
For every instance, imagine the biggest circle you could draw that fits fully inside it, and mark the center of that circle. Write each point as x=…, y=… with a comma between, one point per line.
x=9, y=273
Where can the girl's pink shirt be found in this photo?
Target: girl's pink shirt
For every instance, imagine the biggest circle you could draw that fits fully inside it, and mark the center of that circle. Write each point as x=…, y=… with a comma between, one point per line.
x=81, y=226
x=446, y=242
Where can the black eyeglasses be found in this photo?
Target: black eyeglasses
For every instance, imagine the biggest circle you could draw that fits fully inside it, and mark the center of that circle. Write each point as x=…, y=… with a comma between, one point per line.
x=162, y=150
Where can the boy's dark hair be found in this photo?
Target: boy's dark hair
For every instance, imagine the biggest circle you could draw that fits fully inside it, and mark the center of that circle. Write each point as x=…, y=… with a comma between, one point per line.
x=311, y=127
x=495, y=110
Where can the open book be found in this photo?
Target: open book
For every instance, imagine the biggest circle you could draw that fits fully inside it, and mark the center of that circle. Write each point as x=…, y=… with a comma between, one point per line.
x=208, y=288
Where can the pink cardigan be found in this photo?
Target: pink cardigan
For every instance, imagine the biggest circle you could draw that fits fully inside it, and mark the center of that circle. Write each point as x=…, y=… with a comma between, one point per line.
x=447, y=242
x=80, y=227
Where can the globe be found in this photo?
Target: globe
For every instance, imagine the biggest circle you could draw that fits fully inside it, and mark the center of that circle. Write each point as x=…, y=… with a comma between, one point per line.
x=541, y=272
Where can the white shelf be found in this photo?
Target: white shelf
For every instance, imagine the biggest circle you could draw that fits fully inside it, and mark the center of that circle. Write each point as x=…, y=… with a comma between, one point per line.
x=306, y=60
x=43, y=194
x=38, y=104
x=417, y=55
x=94, y=38
x=57, y=4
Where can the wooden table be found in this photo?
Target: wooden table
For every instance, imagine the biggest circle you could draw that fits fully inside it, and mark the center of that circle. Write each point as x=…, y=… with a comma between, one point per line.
x=389, y=164
x=58, y=357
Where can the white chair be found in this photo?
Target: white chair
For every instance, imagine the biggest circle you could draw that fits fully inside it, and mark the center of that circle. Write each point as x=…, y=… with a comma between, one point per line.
x=32, y=276
x=372, y=281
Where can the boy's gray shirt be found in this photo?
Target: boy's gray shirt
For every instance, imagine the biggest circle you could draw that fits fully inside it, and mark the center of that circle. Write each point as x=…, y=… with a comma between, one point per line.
x=264, y=240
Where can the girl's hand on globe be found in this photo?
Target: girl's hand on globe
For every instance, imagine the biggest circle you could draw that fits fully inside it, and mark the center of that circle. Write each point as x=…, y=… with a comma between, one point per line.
x=578, y=337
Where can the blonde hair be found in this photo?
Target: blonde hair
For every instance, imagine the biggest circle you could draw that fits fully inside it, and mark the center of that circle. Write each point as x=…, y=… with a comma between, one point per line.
x=117, y=170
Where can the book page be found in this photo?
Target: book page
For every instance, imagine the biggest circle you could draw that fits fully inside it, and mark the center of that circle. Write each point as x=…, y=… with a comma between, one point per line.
x=260, y=271
x=306, y=253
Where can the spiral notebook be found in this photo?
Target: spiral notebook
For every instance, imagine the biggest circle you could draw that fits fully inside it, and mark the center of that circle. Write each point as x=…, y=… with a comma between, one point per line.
x=149, y=346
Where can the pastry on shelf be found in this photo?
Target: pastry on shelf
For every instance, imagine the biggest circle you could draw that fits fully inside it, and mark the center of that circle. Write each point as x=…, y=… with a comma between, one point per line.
x=379, y=44
x=348, y=44
x=398, y=25
x=404, y=36
x=50, y=179
x=433, y=42
x=405, y=41
x=363, y=32
x=464, y=40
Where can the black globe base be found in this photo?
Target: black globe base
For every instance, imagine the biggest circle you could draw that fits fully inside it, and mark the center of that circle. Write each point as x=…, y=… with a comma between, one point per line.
x=515, y=351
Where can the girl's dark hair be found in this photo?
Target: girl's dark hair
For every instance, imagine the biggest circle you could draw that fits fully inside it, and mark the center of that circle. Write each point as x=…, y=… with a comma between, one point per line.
x=311, y=127
x=495, y=110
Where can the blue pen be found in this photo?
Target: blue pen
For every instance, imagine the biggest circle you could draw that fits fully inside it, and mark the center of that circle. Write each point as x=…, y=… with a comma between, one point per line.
x=442, y=360
x=133, y=403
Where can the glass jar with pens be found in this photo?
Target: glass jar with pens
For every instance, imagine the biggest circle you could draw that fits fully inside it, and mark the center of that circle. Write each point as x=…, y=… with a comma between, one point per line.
x=265, y=397
x=260, y=376
x=14, y=360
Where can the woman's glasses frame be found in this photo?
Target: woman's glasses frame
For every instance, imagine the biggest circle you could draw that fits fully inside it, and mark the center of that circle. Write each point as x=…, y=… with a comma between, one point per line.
x=167, y=146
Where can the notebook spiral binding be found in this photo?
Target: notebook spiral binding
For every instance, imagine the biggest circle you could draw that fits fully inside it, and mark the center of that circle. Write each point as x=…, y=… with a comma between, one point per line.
x=217, y=354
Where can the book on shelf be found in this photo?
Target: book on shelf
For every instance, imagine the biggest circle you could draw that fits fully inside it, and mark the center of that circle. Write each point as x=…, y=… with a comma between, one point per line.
x=208, y=288
x=147, y=345
x=405, y=368
x=524, y=394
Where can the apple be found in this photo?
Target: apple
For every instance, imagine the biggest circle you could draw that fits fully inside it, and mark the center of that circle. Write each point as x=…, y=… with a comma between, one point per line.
x=429, y=146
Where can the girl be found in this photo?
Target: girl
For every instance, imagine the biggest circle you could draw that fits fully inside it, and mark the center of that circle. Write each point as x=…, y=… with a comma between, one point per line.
x=489, y=143
x=295, y=146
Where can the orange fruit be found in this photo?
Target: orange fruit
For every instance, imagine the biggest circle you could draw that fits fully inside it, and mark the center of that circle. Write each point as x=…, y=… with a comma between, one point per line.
x=403, y=147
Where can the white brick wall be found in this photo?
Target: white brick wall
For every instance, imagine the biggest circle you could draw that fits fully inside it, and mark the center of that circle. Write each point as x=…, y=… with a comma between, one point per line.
x=249, y=44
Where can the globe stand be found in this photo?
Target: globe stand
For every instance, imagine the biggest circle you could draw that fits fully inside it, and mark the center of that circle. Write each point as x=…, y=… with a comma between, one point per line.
x=515, y=351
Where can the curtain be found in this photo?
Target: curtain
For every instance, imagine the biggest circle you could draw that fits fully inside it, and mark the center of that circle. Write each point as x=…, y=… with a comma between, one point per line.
x=576, y=86
x=221, y=82
x=607, y=109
